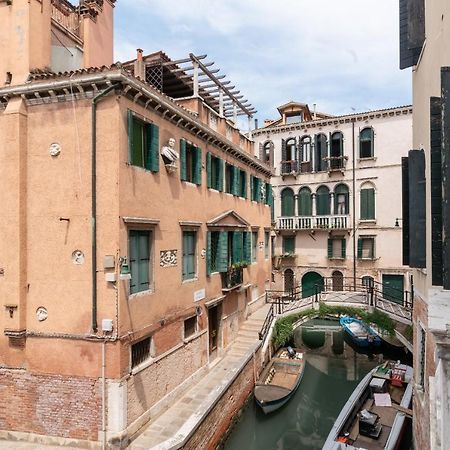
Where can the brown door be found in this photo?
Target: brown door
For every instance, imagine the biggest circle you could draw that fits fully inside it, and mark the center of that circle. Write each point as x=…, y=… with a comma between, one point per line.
x=338, y=280
x=213, y=324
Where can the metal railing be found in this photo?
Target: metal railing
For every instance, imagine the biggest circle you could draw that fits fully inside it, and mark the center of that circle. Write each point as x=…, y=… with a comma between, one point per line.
x=341, y=221
x=336, y=162
x=288, y=167
x=232, y=278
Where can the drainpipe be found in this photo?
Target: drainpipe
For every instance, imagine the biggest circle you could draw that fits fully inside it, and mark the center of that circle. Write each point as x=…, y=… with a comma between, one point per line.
x=354, y=204
x=94, y=202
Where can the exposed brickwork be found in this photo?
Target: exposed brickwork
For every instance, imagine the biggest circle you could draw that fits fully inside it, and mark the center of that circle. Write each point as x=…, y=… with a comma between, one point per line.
x=151, y=384
x=210, y=432
x=50, y=405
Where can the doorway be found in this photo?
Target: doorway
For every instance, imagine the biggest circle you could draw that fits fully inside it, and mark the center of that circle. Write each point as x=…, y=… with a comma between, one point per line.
x=310, y=281
x=214, y=314
x=338, y=280
x=288, y=280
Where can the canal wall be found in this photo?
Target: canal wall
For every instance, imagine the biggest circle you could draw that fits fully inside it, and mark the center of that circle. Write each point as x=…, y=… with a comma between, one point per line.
x=219, y=420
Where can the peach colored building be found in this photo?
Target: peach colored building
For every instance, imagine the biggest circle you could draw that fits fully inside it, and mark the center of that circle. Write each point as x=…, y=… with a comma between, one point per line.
x=134, y=238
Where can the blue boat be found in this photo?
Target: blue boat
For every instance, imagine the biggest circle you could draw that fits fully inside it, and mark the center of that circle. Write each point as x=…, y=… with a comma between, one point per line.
x=360, y=333
x=279, y=380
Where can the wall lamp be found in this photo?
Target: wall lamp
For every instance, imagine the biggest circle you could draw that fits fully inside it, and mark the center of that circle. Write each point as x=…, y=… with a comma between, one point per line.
x=125, y=273
x=397, y=220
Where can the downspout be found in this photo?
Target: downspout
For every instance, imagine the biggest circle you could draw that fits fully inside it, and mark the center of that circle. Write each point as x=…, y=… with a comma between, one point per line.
x=354, y=204
x=94, y=202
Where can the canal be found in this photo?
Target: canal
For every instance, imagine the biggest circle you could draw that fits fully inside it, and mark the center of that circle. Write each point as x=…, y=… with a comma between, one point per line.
x=333, y=370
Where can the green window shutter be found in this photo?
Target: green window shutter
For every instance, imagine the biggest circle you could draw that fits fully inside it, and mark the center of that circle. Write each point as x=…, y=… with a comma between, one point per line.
x=222, y=259
x=363, y=204
x=130, y=136
x=152, y=157
x=371, y=203
x=289, y=244
x=252, y=187
x=343, y=249
x=139, y=243
x=244, y=183
x=237, y=247
x=183, y=167
x=236, y=180
x=208, y=170
x=208, y=253
x=188, y=254
x=330, y=248
x=373, y=249
x=359, y=248
x=247, y=247
x=258, y=190
x=269, y=194
x=198, y=166
x=220, y=175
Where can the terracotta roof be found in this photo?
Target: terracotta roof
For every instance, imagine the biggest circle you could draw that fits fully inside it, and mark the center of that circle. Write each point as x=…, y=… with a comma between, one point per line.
x=40, y=74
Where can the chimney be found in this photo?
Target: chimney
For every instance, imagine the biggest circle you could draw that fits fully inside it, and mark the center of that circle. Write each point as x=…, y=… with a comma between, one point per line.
x=139, y=65
x=314, y=111
x=256, y=124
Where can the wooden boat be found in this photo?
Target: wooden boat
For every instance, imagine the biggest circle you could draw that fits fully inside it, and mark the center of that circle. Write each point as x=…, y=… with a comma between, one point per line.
x=360, y=333
x=279, y=379
x=374, y=416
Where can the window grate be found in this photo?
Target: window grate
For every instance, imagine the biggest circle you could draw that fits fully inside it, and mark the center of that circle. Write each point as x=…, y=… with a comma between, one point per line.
x=190, y=326
x=154, y=76
x=214, y=250
x=140, y=352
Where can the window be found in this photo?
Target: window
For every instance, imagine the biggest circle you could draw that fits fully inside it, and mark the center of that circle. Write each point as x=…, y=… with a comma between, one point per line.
x=143, y=143
x=190, y=162
x=254, y=245
x=305, y=154
x=268, y=200
x=336, y=248
x=320, y=163
x=229, y=179
x=140, y=243
x=323, y=201
x=289, y=244
x=341, y=199
x=367, y=281
x=366, y=138
x=190, y=327
x=287, y=203
x=366, y=248
x=266, y=152
x=212, y=262
x=242, y=184
x=140, y=351
x=288, y=155
x=367, y=204
x=336, y=150
x=214, y=172
x=256, y=184
x=304, y=202
x=189, y=255
x=294, y=118
x=266, y=244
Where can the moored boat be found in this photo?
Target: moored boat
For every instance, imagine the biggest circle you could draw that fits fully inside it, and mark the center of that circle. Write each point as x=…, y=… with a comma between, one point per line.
x=360, y=333
x=374, y=415
x=279, y=380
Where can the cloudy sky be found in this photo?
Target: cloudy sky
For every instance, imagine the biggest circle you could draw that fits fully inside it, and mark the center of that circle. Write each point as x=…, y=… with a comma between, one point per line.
x=340, y=54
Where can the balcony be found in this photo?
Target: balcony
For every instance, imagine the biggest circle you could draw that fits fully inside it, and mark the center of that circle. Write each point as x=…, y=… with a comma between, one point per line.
x=335, y=222
x=289, y=167
x=336, y=163
x=232, y=279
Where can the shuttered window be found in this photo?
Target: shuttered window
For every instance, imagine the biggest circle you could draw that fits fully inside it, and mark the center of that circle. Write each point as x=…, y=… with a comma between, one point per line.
x=190, y=162
x=189, y=254
x=256, y=184
x=214, y=172
x=304, y=202
x=287, y=203
x=229, y=178
x=242, y=184
x=143, y=143
x=247, y=247
x=237, y=255
x=254, y=245
x=367, y=204
x=337, y=248
x=366, y=141
x=140, y=242
x=366, y=248
x=266, y=244
x=323, y=201
x=289, y=244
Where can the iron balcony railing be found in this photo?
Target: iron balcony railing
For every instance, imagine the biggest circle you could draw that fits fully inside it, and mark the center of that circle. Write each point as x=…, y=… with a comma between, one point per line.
x=232, y=278
x=313, y=222
x=288, y=167
x=336, y=162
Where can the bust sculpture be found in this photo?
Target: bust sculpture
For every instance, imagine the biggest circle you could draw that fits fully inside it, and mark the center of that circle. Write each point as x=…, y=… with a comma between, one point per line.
x=168, y=152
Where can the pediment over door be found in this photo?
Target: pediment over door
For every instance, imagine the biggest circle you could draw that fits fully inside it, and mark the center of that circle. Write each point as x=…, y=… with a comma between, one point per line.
x=228, y=219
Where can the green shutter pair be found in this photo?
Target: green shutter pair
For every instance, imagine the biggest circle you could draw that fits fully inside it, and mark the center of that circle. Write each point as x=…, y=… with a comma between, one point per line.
x=143, y=157
x=196, y=162
x=188, y=254
x=367, y=204
x=289, y=244
x=247, y=257
x=343, y=248
x=269, y=194
x=214, y=164
x=243, y=184
x=221, y=258
x=238, y=248
x=235, y=186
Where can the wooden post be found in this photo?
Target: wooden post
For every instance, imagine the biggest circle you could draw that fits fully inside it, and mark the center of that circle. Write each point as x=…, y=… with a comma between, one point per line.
x=195, y=64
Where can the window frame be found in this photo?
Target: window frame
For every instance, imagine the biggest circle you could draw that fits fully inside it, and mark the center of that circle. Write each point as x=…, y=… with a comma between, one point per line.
x=342, y=250
x=364, y=208
x=194, y=232
x=371, y=140
x=284, y=241
x=142, y=363
x=196, y=327
x=361, y=240
x=151, y=266
x=254, y=248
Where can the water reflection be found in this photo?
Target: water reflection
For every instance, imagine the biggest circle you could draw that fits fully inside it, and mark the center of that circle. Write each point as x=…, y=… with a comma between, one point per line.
x=333, y=370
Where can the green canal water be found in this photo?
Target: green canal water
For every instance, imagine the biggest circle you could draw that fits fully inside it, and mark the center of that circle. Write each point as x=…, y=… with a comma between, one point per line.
x=333, y=370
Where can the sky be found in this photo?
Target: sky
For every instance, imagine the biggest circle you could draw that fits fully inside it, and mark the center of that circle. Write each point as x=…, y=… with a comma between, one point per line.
x=340, y=54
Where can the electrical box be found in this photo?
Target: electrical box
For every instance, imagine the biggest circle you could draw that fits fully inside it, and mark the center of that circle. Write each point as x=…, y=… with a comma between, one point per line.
x=111, y=277
x=107, y=325
x=109, y=262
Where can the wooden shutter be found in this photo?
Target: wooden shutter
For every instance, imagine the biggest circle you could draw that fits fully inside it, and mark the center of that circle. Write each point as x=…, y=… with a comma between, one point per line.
x=252, y=188
x=269, y=194
x=183, y=166
x=198, y=166
x=143, y=260
x=234, y=180
x=219, y=175
x=208, y=170
x=237, y=256
x=222, y=252
x=130, y=136
x=405, y=212
x=283, y=150
x=247, y=250
x=261, y=151
x=133, y=259
x=343, y=248
x=208, y=253
x=417, y=214
x=188, y=254
x=152, y=160
x=412, y=31
x=371, y=203
x=330, y=248
x=243, y=183
x=360, y=248
x=289, y=244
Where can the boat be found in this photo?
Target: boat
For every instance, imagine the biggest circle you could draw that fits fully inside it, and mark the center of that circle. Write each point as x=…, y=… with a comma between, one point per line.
x=279, y=380
x=374, y=415
x=360, y=333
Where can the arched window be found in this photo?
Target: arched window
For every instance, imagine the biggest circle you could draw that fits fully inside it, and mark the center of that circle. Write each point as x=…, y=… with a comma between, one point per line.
x=320, y=153
x=288, y=155
x=323, y=201
x=305, y=154
x=337, y=150
x=287, y=202
x=304, y=202
x=341, y=199
x=266, y=152
x=288, y=280
x=338, y=280
x=367, y=202
x=366, y=138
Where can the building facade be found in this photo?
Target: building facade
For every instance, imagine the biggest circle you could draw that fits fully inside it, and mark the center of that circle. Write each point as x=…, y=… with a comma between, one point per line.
x=424, y=37
x=135, y=232
x=336, y=213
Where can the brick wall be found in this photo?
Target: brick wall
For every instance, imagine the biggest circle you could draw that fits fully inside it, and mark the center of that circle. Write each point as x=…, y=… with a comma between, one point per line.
x=215, y=426
x=150, y=385
x=50, y=405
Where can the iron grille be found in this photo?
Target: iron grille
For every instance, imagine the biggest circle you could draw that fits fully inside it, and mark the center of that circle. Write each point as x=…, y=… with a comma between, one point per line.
x=140, y=351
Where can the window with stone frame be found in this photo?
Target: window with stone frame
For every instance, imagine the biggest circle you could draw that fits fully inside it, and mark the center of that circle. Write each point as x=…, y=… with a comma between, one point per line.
x=190, y=326
x=141, y=351
x=140, y=244
x=337, y=248
x=366, y=247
